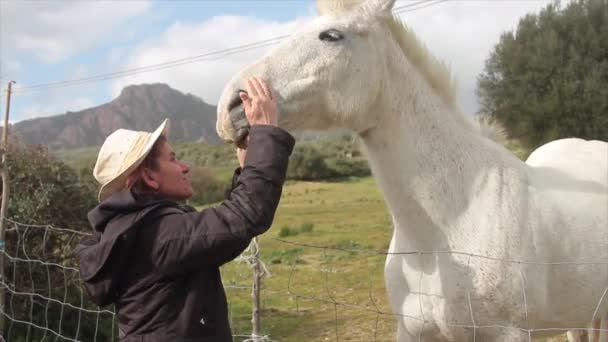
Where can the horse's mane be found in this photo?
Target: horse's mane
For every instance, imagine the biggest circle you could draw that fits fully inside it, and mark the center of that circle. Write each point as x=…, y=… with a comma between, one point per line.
x=336, y=7
x=436, y=72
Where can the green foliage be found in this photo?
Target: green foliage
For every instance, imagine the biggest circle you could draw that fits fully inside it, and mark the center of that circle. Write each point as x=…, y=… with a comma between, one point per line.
x=328, y=158
x=549, y=79
x=307, y=227
x=45, y=191
x=207, y=187
x=79, y=158
x=283, y=256
x=200, y=154
x=349, y=168
x=311, y=160
x=308, y=163
x=324, y=160
x=287, y=231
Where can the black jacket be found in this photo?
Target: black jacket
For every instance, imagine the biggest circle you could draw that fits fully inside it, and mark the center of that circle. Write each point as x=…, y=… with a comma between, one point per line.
x=158, y=262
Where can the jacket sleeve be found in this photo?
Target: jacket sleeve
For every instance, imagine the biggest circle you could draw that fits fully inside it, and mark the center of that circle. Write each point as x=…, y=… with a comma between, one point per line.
x=217, y=235
x=235, y=178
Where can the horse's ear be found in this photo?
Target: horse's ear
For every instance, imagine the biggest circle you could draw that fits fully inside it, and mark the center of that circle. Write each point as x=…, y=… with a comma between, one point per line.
x=336, y=7
x=378, y=7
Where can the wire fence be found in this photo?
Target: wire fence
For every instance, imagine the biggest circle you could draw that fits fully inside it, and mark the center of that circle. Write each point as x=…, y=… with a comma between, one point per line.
x=46, y=301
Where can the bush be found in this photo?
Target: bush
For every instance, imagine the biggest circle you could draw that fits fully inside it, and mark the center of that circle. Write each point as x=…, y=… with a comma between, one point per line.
x=207, y=188
x=349, y=167
x=202, y=154
x=307, y=163
x=306, y=227
x=283, y=256
x=326, y=160
x=286, y=231
x=45, y=191
x=310, y=161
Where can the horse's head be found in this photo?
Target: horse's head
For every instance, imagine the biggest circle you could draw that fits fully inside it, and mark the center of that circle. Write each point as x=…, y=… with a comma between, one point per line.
x=328, y=74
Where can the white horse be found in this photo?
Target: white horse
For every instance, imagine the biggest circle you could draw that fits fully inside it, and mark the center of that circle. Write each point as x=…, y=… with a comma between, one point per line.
x=508, y=251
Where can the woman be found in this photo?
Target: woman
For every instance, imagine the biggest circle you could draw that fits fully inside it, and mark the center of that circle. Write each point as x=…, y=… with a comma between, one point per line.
x=158, y=261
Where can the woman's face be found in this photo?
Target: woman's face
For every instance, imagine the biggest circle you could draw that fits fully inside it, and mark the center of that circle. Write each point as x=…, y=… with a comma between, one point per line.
x=172, y=178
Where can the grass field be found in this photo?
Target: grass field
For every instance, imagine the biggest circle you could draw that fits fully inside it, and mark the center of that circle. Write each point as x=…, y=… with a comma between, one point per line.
x=316, y=293
x=298, y=298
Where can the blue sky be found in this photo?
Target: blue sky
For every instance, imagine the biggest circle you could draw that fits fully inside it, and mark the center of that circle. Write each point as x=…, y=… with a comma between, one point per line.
x=53, y=41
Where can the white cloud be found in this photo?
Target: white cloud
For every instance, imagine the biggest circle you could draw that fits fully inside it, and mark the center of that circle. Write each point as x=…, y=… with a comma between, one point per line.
x=52, y=30
x=463, y=33
x=55, y=105
x=79, y=71
x=9, y=67
x=115, y=56
x=79, y=103
x=205, y=78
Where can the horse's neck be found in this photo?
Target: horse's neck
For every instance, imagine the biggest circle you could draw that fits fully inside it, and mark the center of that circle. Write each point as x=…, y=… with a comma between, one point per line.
x=429, y=166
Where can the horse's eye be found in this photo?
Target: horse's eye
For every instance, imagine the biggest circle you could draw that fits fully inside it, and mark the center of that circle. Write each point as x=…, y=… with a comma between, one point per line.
x=331, y=35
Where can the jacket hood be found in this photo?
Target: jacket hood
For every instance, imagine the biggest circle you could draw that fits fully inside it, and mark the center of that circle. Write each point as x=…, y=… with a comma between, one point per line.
x=104, y=254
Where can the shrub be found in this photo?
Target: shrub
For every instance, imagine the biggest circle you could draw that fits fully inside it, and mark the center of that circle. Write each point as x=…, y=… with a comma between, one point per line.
x=349, y=167
x=307, y=163
x=287, y=231
x=45, y=191
x=284, y=256
x=207, y=188
x=307, y=227
x=326, y=160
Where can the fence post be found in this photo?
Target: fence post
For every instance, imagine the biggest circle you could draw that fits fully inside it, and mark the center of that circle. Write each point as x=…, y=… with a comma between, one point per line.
x=4, y=204
x=255, y=293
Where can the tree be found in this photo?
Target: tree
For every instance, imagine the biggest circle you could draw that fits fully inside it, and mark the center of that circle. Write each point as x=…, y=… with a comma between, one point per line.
x=45, y=191
x=308, y=163
x=208, y=189
x=549, y=79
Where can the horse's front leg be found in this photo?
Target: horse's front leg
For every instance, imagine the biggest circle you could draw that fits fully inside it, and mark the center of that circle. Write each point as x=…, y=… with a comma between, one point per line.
x=577, y=336
x=597, y=333
x=601, y=329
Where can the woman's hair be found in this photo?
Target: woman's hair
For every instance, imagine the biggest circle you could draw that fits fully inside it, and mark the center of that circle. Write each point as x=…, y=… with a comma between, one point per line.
x=135, y=182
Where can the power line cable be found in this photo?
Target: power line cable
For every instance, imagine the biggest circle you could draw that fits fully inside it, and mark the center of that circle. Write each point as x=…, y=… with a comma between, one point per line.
x=193, y=59
x=412, y=6
x=160, y=66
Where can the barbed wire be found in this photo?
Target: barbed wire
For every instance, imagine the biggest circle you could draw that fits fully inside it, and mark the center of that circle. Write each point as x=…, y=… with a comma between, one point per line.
x=474, y=325
x=371, y=305
x=486, y=257
x=20, y=292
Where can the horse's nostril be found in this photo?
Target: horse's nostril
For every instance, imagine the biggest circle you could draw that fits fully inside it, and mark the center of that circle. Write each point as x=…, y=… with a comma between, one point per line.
x=236, y=114
x=236, y=101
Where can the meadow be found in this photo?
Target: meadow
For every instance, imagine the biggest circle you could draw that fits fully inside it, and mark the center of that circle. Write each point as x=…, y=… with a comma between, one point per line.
x=324, y=254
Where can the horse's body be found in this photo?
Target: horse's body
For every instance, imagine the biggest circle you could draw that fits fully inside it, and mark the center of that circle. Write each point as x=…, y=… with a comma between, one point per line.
x=507, y=248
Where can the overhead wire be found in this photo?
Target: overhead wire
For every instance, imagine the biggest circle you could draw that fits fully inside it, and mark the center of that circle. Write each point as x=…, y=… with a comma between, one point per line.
x=214, y=55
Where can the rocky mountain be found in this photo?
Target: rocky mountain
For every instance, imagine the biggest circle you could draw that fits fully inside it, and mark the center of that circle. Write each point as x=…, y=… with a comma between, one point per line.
x=139, y=107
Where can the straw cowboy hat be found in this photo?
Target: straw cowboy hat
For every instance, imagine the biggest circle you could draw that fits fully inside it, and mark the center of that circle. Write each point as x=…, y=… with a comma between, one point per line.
x=120, y=154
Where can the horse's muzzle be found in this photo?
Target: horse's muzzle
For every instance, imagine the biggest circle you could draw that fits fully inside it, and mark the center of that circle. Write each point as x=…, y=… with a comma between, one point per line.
x=236, y=114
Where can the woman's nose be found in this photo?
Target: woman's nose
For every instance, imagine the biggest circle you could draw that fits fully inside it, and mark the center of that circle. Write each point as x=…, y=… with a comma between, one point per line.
x=185, y=167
